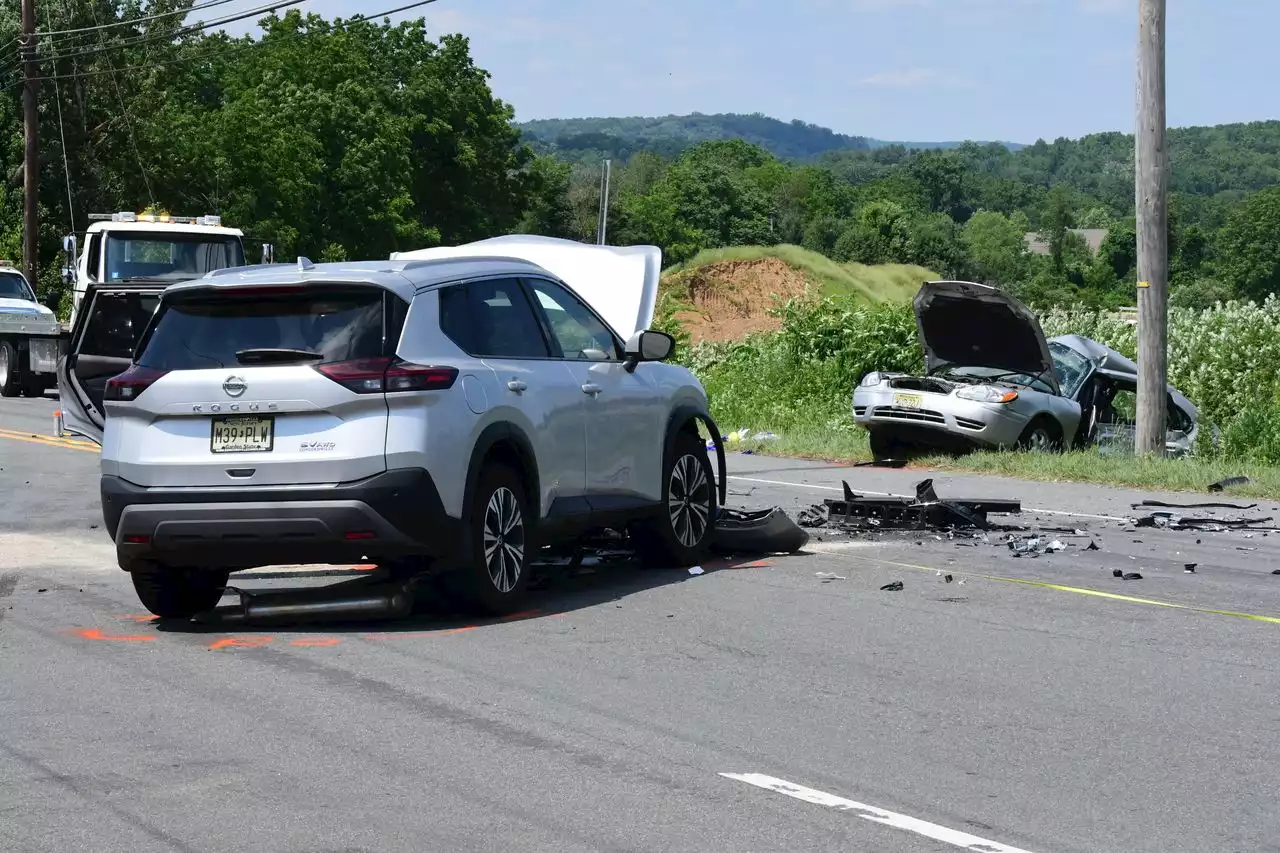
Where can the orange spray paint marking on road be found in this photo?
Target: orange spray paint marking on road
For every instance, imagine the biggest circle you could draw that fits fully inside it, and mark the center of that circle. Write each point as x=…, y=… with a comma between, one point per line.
x=96, y=634
x=239, y=643
x=316, y=641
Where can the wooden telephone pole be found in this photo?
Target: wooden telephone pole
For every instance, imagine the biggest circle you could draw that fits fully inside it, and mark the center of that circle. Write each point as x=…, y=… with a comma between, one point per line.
x=31, y=159
x=1152, y=187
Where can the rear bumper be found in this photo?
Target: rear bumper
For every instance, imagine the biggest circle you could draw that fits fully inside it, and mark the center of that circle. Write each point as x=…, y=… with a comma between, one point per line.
x=390, y=515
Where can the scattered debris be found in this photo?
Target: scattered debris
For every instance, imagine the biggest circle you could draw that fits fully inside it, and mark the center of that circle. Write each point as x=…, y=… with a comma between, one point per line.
x=43, y=589
x=696, y=570
x=1275, y=571
x=896, y=586
x=948, y=578
x=882, y=463
x=1033, y=546
x=1228, y=483
x=1190, y=568
x=1215, y=525
x=1194, y=506
x=1133, y=576
x=925, y=512
x=1117, y=573
x=828, y=577
x=766, y=531
x=1093, y=546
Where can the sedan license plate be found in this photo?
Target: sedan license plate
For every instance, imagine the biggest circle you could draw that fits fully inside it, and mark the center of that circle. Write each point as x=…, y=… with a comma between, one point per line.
x=240, y=434
x=907, y=401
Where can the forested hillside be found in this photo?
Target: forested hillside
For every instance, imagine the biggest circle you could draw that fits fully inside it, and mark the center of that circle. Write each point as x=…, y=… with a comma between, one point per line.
x=593, y=138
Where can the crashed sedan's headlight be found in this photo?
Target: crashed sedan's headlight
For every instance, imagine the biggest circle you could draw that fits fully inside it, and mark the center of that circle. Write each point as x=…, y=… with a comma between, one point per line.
x=987, y=394
x=871, y=379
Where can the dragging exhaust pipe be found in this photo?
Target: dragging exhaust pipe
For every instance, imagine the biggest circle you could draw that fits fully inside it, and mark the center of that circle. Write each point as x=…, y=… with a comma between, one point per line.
x=357, y=600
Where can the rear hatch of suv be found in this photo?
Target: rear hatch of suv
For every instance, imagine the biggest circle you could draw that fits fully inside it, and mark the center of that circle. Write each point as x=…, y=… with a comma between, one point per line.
x=254, y=386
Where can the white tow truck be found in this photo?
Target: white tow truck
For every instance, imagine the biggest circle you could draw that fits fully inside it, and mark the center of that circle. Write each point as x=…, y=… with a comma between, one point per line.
x=29, y=337
x=130, y=248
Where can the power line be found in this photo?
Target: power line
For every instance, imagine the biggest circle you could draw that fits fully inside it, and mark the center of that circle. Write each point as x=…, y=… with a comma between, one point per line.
x=234, y=48
x=62, y=138
x=217, y=22
x=132, y=21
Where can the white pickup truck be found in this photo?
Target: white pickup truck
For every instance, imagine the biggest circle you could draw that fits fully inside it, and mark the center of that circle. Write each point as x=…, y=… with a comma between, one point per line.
x=29, y=337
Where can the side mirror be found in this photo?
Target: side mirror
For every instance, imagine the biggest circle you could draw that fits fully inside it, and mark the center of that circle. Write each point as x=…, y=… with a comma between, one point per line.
x=268, y=253
x=69, y=275
x=69, y=244
x=648, y=345
x=69, y=259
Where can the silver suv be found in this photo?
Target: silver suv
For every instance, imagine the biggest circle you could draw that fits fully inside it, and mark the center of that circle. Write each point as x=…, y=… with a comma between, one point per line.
x=465, y=408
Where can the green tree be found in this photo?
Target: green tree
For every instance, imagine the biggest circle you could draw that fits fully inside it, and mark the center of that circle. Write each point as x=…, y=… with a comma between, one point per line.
x=1248, y=246
x=1056, y=220
x=549, y=212
x=878, y=235
x=934, y=242
x=996, y=245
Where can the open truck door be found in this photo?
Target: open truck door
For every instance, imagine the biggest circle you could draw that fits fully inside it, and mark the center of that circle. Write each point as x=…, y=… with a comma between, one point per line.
x=103, y=339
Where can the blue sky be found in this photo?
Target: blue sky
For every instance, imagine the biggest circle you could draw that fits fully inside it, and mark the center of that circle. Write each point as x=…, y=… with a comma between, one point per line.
x=1013, y=70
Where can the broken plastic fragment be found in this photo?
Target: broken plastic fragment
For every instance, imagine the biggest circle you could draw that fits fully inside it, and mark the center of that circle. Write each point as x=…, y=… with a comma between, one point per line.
x=696, y=570
x=1093, y=546
x=896, y=586
x=1227, y=483
x=1190, y=568
x=1133, y=576
x=830, y=576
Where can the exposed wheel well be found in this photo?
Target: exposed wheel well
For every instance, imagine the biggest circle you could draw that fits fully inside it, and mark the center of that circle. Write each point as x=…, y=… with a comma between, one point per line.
x=506, y=448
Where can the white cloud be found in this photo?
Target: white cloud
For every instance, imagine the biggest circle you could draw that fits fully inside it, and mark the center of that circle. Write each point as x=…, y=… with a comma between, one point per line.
x=917, y=78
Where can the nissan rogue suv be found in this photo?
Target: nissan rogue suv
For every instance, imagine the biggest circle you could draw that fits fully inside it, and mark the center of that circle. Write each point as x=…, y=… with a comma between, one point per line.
x=457, y=407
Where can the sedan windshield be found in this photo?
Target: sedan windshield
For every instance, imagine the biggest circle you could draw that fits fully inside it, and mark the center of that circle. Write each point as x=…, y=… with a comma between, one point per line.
x=994, y=375
x=1072, y=367
x=169, y=255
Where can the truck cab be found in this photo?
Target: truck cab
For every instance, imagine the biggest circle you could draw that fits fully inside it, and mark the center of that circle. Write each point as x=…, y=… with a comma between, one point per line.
x=139, y=248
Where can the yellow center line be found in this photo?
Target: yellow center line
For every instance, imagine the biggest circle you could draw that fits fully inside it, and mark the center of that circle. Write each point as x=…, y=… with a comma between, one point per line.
x=49, y=441
x=1078, y=590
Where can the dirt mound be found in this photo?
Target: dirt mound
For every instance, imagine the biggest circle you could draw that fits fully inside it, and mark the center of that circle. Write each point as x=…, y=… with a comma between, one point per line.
x=732, y=299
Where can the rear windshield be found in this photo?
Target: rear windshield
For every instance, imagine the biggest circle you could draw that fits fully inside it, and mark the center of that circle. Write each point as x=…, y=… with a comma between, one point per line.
x=202, y=331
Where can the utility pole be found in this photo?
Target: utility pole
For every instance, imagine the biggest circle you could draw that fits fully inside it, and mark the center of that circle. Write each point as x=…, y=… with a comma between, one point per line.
x=1152, y=179
x=602, y=228
x=31, y=129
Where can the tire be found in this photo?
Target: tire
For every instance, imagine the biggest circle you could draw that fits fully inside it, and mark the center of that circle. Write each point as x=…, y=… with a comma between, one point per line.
x=680, y=534
x=179, y=593
x=1041, y=435
x=493, y=579
x=34, y=385
x=10, y=370
x=881, y=446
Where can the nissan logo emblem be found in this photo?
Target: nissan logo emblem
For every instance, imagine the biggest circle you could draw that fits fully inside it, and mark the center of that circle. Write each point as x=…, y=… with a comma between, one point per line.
x=234, y=386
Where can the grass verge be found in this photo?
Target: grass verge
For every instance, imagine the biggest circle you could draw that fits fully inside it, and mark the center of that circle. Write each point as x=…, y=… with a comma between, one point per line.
x=1167, y=475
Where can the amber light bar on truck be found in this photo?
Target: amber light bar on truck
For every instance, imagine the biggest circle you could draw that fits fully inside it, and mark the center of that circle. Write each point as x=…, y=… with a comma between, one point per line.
x=129, y=216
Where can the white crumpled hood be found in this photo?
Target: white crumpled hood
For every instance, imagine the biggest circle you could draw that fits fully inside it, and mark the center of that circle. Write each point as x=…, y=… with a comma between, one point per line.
x=620, y=282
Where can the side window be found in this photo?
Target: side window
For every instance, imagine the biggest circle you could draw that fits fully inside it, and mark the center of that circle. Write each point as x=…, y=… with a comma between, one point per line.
x=491, y=318
x=572, y=325
x=95, y=254
x=116, y=322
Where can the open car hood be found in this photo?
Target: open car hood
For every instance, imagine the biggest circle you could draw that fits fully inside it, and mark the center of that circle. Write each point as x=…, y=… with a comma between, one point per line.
x=975, y=325
x=619, y=282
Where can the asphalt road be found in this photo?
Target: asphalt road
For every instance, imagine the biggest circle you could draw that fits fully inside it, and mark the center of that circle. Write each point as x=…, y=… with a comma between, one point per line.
x=1031, y=704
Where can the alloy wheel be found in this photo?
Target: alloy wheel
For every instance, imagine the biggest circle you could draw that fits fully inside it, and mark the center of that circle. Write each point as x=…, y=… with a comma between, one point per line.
x=504, y=539
x=689, y=500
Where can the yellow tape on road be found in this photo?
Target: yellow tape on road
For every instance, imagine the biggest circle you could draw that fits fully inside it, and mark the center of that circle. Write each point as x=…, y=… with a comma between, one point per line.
x=1078, y=590
x=49, y=440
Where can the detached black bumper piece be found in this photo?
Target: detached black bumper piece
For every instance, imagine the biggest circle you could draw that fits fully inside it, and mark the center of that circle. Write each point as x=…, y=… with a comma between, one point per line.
x=390, y=515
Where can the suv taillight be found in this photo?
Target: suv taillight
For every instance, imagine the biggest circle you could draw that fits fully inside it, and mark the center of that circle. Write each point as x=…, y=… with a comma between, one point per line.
x=388, y=375
x=129, y=385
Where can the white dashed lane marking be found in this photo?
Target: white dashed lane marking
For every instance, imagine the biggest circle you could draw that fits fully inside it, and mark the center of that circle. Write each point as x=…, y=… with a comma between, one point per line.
x=963, y=840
